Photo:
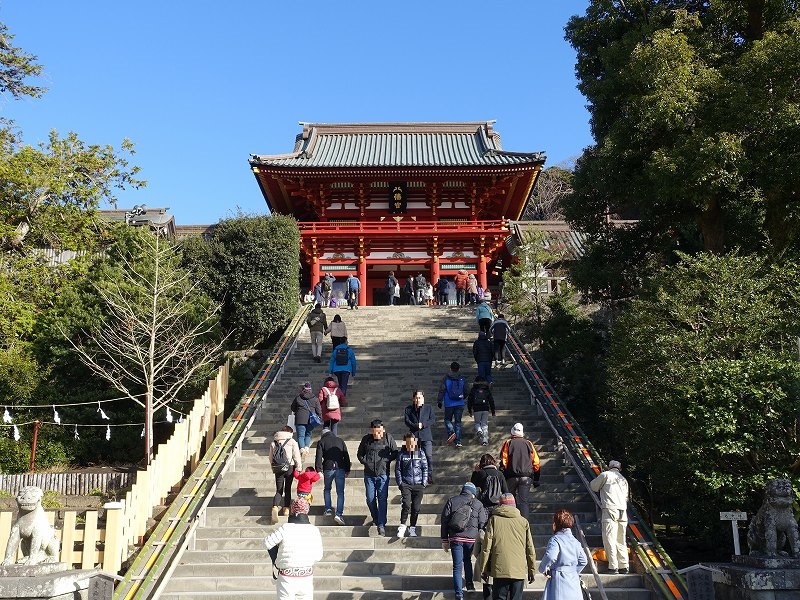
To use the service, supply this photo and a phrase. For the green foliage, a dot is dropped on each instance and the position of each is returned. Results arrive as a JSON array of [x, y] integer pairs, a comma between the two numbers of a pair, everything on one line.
[[704, 364], [694, 112], [251, 267], [14, 456], [51, 499], [16, 67]]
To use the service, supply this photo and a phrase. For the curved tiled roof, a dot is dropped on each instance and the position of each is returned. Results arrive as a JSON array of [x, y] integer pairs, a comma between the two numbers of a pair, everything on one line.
[[398, 145]]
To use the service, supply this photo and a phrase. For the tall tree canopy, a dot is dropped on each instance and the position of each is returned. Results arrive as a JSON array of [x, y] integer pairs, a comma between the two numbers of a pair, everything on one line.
[[16, 66], [695, 113]]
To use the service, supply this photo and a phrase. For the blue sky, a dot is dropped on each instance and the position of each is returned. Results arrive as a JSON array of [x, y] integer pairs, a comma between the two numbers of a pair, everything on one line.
[[200, 86]]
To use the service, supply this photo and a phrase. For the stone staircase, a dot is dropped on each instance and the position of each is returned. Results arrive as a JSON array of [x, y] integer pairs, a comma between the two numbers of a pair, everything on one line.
[[398, 349]]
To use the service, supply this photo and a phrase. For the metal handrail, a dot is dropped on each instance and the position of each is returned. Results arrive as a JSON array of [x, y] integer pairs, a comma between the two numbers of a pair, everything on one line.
[[163, 549], [588, 463], [590, 559]]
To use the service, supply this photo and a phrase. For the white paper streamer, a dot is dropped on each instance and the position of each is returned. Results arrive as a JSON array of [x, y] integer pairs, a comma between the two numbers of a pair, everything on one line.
[[56, 418], [77, 437], [16, 434], [7, 417], [169, 415], [142, 435], [108, 432], [103, 415]]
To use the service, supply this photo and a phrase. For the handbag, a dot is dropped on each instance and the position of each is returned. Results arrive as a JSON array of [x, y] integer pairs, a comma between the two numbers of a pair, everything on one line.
[[313, 418]]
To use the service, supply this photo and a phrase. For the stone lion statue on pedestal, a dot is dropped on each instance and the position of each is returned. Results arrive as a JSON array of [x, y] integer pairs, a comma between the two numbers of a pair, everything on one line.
[[32, 530], [774, 526]]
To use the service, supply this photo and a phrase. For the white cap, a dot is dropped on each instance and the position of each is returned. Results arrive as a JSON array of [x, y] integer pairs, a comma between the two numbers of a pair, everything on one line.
[[516, 429]]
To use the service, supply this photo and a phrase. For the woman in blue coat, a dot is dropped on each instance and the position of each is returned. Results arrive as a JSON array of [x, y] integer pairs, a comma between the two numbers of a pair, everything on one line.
[[563, 561]]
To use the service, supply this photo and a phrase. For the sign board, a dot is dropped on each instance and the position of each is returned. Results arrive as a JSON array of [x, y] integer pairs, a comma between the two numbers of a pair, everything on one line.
[[101, 588], [733, 516], [700, 583]]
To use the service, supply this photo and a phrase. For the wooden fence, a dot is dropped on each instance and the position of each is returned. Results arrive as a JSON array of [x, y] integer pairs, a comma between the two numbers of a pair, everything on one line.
[[88, 541], [68, 484]]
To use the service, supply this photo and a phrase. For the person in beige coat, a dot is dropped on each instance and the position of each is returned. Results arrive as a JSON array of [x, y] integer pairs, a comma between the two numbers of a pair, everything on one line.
[[284, 471], [507, 554]]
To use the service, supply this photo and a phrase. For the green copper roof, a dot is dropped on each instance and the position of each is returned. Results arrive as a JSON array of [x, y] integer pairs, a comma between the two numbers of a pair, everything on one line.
[[398, 145]]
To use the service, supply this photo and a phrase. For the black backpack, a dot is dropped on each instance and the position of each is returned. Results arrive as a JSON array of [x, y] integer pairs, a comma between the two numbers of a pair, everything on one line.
[[491, 495], [280, 461], [460, 517], [341, 357]]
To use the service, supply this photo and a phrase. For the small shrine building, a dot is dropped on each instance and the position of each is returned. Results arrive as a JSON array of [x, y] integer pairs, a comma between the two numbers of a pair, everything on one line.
[[371, 198]]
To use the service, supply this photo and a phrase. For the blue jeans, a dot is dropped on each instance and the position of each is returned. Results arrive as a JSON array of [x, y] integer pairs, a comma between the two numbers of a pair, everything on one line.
[[343, 376], [451, 414], [304, 434], [462, 559], [338, 476], [485, 370], [377, 495]]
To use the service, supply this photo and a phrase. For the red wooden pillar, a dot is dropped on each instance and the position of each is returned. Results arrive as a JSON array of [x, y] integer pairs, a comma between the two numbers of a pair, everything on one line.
[[482, 280], [362, 279], [314, 271], [435, 270]]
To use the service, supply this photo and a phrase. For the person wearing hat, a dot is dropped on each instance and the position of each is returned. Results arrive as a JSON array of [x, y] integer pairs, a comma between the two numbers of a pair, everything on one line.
[[613, 490], [303, 405], [520, 464], [507, 553], [284, 474], [376, 451], [294, 547], [463, 516], [333, 461]]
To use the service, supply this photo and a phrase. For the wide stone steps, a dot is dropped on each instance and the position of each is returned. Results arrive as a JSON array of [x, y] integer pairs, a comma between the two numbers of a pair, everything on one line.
[[398, 350]]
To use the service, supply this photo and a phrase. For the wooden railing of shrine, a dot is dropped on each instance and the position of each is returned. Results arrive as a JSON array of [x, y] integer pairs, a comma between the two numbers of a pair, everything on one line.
[[107, 538], [405, 226]]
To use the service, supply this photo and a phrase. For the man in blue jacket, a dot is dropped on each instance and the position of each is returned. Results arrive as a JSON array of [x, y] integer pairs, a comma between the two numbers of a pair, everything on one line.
[[343, 364], [420, 418], [451, 396], [411, 476], [353, 286]]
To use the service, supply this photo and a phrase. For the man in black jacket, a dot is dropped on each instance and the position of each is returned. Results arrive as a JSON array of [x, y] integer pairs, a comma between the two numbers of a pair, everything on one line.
[[483, 352], [376, 452], [333, 461], [420, 418], [459, 534], [479, 403]]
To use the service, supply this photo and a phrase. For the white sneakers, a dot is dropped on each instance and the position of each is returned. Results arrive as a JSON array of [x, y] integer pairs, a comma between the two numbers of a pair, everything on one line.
[[402, 529]]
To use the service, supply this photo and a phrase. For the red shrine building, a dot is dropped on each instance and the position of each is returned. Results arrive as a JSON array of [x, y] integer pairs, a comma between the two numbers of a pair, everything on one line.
[[371, 198]]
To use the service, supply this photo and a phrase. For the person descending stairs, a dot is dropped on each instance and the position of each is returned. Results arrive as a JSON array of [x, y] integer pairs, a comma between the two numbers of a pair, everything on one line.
[[399, 352]]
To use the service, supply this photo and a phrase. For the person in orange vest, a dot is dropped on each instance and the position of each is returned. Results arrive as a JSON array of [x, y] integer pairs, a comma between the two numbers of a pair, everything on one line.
[[520, 464]]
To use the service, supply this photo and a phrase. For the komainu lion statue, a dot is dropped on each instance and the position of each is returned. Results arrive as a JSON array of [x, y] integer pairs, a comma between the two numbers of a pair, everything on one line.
[[774, 526], [32, 530]]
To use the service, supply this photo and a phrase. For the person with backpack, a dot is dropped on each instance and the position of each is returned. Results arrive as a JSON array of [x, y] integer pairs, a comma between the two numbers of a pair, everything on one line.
[[490, 481], [421, 285], [307, 415], [284, 458], [499, 332], [391, 284], [343, 364], [507, 553], [338, 331], [479, 402], [376, 451], [451, 396], [411, 476], [463, 516], [520, 463], [331, 399], [353, 287], [420, 419], [483, 314], [483, 353], [333, 461], [294, 548], [317, 326]]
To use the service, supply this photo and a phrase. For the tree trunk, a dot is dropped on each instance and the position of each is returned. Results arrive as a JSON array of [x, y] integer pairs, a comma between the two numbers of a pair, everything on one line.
[[712, 227], [755, 20]]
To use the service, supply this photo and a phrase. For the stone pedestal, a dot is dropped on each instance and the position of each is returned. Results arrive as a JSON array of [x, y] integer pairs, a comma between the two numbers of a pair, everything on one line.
[[755, 578], [53, 581]]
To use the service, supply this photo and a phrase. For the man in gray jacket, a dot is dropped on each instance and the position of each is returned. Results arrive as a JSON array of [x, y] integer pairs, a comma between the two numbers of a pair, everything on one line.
[[317, 325]]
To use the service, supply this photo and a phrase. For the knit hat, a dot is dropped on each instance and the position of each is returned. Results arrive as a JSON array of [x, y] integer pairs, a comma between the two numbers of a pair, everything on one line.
[[614, 464], [299, 506], [516, 429], [307, 385], [470, 487], [508, 500]]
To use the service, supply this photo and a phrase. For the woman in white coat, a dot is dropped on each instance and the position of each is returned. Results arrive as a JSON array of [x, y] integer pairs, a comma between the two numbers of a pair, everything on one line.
[[563, 561]]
